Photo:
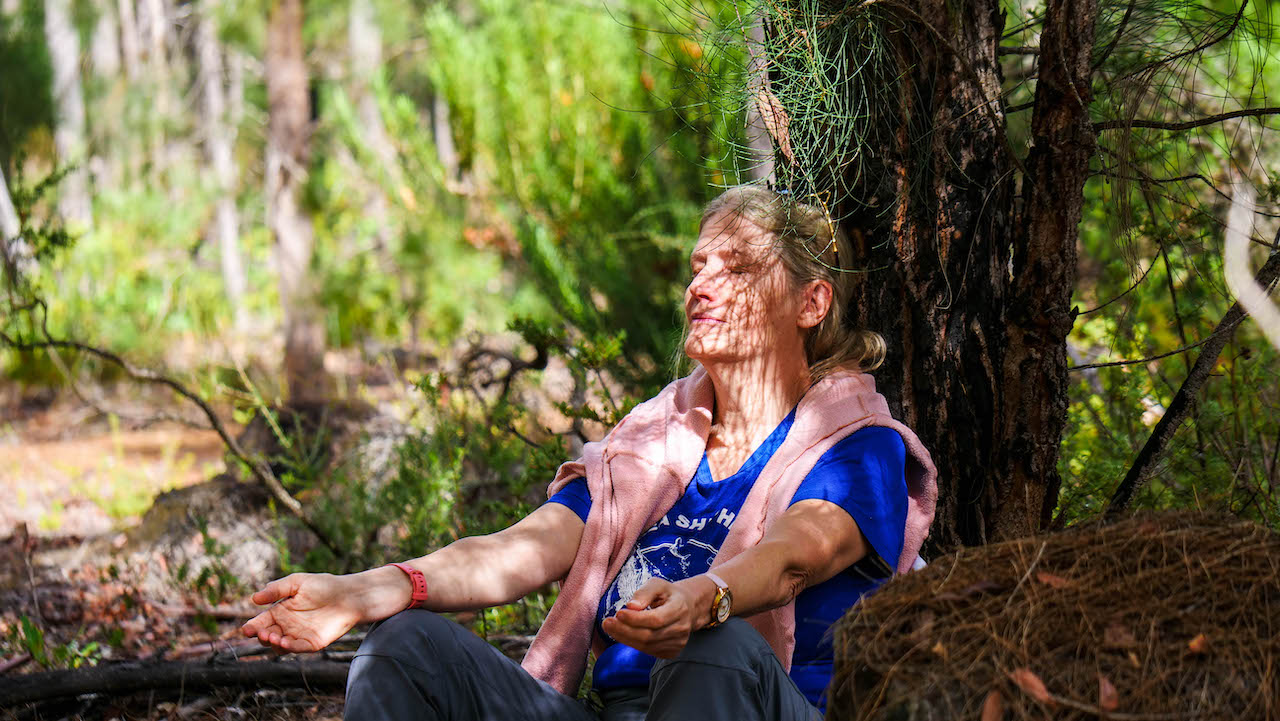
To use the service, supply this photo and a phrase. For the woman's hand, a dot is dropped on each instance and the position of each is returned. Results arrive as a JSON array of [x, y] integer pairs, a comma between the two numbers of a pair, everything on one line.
[[310, 611], [660, 617]]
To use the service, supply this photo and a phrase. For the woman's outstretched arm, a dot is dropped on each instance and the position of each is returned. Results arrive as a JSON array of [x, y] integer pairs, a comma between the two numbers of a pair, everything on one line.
[[311, 610]]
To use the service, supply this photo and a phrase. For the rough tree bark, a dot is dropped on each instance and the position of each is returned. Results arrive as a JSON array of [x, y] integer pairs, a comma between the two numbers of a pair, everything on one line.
[[288, 145], [218, 138], [969, 282], [68, 134]]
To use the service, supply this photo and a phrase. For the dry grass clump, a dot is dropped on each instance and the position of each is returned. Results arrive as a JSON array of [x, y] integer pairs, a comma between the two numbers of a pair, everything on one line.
[[1170, 616]]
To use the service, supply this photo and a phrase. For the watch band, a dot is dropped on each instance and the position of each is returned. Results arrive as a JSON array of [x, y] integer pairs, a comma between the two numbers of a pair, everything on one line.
[[419, 583]]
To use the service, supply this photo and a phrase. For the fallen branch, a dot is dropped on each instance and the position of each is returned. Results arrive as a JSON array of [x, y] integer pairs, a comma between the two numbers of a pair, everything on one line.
[[234, 650], [218, 613], [16, 662], [125, 678]]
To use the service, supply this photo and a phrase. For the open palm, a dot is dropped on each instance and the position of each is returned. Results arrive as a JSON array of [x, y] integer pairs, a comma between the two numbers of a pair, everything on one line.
[[310, 611]]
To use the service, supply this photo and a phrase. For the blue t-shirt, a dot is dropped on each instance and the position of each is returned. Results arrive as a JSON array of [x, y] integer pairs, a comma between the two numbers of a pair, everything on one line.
[[863, 474]]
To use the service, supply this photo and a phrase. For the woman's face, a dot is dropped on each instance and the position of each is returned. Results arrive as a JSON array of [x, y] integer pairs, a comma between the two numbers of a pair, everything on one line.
[[740, 303]]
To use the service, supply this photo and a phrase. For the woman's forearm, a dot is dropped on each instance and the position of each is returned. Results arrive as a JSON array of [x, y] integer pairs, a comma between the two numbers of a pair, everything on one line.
[[481, 571], [811, 543]]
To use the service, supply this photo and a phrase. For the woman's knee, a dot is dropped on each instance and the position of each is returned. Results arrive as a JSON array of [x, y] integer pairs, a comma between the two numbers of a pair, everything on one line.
[[416, 636], [734, 639], [734, 645]]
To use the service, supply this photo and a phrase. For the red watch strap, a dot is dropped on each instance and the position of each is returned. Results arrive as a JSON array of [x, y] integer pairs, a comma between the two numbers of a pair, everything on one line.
[[419, 582]]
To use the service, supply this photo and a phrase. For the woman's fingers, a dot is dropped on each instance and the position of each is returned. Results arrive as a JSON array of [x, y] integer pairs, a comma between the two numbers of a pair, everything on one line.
[[659, 617], [656, 621], [258, 623], [277, 589], [652, 594]]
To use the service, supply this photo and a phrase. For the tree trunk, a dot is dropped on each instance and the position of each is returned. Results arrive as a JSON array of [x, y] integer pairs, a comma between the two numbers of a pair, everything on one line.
[[105, 46], [15, 254], [68, 135], [971, 296], [365, 41], [288, 141], [1034, 393], [761, 156], [190, 676], [128, 39], [218, 139]]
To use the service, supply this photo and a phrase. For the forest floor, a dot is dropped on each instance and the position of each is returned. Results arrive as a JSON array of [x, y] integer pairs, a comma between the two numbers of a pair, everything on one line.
[[72, 480]]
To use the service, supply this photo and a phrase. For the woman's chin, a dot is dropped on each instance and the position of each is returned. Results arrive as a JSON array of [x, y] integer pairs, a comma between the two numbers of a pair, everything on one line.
[[709, 356]]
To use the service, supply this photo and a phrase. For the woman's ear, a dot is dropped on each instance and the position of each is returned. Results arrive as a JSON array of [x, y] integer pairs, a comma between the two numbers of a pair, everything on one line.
[[817, 302]]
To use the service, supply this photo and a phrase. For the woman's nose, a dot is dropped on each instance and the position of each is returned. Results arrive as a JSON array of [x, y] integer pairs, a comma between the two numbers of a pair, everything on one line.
[[702, 286]]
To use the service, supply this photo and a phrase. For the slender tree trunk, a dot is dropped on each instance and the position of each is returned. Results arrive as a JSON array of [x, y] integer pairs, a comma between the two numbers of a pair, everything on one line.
[[218, 139], [288, 141], [128, 39], [69, 131], [235, 61], [762, 150], [972, 294], [105, 47], [456, 180], [364, 39], [15, 254], [155, 26]]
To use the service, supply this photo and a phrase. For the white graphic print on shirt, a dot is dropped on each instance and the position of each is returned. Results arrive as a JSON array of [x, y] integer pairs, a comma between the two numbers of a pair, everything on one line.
[[670, 550]]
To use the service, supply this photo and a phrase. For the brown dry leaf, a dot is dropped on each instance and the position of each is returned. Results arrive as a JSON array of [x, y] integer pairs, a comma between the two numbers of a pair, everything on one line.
[[1051, 580], [993, 707], [1118, 636], [1108, 697], [776, 121], [1199, 644], [1030, 683], [1133, 659]]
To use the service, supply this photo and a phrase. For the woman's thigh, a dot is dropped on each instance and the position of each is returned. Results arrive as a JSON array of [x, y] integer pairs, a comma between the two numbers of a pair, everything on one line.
[[419, 665], [726, 673]]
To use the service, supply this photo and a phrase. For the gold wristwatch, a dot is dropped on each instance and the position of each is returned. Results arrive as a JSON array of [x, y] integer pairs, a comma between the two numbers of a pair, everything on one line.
[[722, 603]]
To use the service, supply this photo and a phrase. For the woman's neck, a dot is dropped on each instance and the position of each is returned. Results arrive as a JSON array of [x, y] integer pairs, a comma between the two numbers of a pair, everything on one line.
[[753, 396]]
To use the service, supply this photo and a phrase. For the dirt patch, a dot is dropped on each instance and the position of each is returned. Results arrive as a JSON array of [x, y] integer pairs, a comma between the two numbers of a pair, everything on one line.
[[64, 469]]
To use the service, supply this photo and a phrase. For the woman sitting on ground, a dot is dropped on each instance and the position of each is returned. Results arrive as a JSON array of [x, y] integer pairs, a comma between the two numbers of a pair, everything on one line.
[[706, 545]]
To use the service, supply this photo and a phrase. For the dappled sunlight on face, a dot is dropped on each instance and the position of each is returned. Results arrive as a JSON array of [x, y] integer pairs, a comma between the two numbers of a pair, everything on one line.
[[740, 304]]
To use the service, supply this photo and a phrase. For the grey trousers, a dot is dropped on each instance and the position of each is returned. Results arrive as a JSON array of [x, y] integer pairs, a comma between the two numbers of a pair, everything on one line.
[[419, 665]]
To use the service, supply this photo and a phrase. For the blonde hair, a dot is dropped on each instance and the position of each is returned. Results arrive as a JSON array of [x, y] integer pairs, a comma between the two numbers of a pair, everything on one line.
[[810, 246]]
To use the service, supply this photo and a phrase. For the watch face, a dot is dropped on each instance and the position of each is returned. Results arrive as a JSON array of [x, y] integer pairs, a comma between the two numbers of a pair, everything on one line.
[[723, 607]]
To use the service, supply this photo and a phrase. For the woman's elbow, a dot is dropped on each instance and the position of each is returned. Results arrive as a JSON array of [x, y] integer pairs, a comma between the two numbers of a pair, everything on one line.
[[795, 579]]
